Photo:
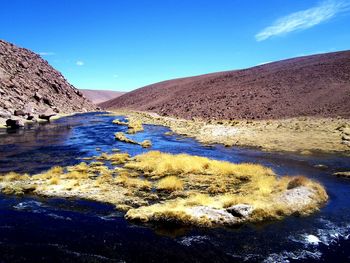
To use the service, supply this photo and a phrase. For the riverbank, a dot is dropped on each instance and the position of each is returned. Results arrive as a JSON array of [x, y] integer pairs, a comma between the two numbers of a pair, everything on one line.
[[300, 135], [37, 120]]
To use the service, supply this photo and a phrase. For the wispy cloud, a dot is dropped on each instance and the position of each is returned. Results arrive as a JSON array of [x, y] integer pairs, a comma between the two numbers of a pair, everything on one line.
[[115, 76], [47, 53], [304, 19], [80, 63]]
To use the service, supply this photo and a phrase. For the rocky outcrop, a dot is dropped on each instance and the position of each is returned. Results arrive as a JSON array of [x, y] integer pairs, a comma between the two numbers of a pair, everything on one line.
[[29, 86]]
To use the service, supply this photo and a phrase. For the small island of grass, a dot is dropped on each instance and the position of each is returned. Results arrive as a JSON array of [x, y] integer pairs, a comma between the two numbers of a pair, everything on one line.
[[182, 188]]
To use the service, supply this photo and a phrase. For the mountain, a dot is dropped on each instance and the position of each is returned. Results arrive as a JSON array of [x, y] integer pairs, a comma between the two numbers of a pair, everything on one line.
[[99, 96], [30, 86], [316, 85]]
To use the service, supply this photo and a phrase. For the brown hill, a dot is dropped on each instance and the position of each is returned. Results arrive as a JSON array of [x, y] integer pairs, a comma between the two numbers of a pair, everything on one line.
[[317, 85], [99, 96], [29, 84]]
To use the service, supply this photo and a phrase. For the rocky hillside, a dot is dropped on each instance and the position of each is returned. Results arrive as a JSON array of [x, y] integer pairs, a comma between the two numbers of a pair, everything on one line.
[[317, 85], [99, 96], [29, 87]]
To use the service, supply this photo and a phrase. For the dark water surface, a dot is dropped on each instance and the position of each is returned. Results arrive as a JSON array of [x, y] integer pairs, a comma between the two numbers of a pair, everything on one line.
[[33, 229]]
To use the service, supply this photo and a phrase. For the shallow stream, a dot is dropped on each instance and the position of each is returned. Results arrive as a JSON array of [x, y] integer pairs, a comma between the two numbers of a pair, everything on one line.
[[34, 229]]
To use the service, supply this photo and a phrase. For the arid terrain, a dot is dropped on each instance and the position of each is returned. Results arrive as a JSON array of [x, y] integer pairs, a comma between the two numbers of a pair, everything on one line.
[[30, 87], [317, 86], [99, 96]]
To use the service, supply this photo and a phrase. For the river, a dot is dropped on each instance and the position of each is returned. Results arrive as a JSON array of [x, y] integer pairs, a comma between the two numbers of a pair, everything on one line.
[[34, 229]]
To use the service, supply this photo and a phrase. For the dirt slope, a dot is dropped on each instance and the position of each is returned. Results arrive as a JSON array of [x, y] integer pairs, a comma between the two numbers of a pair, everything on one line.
[[317, 85], [99, 96], [28, 83]]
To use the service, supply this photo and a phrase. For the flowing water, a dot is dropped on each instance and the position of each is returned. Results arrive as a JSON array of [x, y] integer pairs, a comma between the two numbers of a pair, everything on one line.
[[34, 229]]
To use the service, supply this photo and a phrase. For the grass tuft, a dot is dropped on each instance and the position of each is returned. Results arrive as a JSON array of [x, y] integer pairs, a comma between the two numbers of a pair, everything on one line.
[[170, 183], [146, 144]]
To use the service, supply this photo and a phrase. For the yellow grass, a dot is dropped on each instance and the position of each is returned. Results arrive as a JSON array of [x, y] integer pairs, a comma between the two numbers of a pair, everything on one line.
[[54, 180], [183, 183], [162, 164], [120, 136], [133, 182], [134, 126], [146, 144], [10, 177], [170, 183], [116, 158], [118, 122]]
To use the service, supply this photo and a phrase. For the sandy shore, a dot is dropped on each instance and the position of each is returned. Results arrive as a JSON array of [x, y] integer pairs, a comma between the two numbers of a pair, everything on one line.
[[303, 135]]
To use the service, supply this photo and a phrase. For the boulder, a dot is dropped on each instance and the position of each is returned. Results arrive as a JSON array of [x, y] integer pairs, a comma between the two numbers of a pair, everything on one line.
[[23, 64], [47, 101], [240, 210], [37, 96], [216, 216], [47, 114], [55, 109], [19, 113], [14, 124]]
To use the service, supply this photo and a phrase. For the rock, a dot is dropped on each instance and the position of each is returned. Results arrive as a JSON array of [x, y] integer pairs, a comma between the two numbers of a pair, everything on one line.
[[342, 174], [37, 96], [346, 131], [28, 109], [7, 105], [19, 113], [55, 109], [347, 143], [216, 216], [5, 114], [296, 198], [47, 114], [14, 124], [47, 101], [23, 64], [345, 138], [240, 210]]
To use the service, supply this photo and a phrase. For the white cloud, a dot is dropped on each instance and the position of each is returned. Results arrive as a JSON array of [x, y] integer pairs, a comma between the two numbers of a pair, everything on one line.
[[47, 53], [80, 63], [115, 76], [304, 19]]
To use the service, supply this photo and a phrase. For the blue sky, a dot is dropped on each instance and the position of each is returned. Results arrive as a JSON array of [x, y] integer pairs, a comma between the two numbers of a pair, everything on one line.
[[123, 45]]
